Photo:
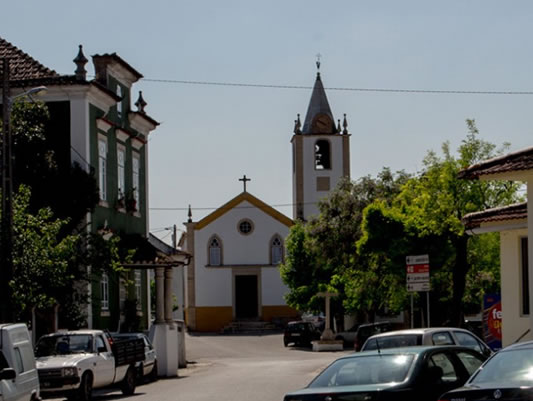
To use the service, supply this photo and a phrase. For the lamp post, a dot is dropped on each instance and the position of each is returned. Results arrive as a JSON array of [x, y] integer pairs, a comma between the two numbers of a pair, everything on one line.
[[6, 251]]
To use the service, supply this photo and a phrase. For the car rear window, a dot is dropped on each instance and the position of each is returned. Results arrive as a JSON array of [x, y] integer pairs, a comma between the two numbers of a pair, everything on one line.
[[402, 340], [513, 367], [364, 370], [296, 327]]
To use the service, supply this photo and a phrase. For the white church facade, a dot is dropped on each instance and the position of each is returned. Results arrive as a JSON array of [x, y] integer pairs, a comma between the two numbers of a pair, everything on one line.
[[236, 250]]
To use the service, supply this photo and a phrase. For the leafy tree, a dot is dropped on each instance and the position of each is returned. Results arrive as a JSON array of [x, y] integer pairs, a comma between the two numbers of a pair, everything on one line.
[[430, 208], [41, 164], [322, 251]]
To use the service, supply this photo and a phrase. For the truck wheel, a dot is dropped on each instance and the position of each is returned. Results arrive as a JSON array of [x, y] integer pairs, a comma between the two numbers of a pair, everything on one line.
[[128, 383], [85, 390]]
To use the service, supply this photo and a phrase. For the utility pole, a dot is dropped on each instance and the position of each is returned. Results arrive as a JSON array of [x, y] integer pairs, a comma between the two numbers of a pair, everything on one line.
[[6, 267]]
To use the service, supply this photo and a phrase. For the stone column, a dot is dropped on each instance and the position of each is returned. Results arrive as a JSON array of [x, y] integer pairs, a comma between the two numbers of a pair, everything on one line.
[[160, 295], [168, 295]]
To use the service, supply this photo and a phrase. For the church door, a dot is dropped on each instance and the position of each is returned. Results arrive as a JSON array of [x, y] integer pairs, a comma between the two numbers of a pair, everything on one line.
[[246, 297]]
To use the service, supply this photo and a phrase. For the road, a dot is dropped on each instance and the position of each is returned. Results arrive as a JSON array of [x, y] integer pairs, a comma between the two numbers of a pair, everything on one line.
[[235, 368]]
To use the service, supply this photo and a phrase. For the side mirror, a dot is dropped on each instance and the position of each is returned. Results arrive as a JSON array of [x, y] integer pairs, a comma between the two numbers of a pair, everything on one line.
[[102, 349], [7, 374]]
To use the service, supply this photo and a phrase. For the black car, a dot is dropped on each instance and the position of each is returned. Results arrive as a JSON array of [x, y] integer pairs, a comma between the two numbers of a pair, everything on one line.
[[400, 374], [300, 333], [507, 375]]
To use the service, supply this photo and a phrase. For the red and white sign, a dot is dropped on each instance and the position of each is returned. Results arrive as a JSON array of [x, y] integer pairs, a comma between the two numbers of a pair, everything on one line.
[[417, 273]]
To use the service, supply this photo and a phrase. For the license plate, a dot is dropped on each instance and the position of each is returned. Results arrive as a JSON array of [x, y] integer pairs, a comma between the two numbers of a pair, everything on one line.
[[46, 384], [295, 334]]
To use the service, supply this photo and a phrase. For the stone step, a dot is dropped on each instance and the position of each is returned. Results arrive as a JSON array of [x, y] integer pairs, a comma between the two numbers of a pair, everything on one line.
[[248, 327]]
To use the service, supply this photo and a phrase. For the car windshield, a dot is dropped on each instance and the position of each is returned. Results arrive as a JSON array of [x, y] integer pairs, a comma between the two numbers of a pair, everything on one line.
[[64, 345], [296, 327], [404, 340], [513, 367], [363, 370]]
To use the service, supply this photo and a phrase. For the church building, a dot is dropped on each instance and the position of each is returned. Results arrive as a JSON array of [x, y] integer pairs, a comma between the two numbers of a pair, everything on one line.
[[234, 272]]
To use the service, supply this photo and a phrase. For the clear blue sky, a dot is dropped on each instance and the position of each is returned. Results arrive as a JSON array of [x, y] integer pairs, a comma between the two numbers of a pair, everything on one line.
[[211, 135]]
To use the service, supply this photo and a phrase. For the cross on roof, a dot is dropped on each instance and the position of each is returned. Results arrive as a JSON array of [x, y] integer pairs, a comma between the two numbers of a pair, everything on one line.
[[244, 179]]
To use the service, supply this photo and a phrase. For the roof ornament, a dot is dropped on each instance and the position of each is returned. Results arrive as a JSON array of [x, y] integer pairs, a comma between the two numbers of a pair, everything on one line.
[[140, 103], [189, 215], [297, 125], [338, 126], [345, 125], [80, 61], [318, 56]]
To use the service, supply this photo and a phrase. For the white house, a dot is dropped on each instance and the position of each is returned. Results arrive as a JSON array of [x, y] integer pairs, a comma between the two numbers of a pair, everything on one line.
[[515, 250]]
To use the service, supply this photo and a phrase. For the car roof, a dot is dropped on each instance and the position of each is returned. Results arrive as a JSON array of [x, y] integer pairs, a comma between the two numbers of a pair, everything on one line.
[[417, 349], [416, 331], [522, 345]]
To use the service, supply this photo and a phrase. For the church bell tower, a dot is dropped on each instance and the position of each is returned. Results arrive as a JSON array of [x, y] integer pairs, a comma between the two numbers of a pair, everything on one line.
[[320, 153]]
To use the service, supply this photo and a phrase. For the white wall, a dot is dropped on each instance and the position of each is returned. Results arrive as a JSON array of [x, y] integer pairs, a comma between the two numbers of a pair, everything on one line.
[[513, 323], [214, 286], [311, 195]]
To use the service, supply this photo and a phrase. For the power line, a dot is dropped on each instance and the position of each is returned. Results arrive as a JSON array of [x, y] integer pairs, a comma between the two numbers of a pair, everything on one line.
[[215, 208], [386, 90], [346, 89]]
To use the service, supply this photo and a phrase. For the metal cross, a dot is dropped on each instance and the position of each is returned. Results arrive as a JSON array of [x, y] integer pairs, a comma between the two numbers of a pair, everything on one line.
[[318, 56], [244, 179]]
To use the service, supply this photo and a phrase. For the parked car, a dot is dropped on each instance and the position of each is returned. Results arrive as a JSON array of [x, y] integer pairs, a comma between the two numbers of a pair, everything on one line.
[[507, 375], [401, 374], [19, 379], [427, 336], [146, 369], [357, 335], [300, 333]]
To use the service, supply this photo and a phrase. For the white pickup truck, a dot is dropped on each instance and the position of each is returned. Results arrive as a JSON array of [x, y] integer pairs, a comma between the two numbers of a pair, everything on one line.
[[72, 363]]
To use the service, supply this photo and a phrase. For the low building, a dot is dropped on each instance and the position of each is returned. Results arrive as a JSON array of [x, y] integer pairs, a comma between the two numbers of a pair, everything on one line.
[[515, 250]]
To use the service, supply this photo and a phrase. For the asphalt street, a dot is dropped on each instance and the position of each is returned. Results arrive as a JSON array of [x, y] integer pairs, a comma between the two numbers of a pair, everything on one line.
[[235, 368]]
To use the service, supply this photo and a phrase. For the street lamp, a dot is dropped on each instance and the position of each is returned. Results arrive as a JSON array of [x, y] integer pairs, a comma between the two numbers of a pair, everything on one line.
[[6, 267]]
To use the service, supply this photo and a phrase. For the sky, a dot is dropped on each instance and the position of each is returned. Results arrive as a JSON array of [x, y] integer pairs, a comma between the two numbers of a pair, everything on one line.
[[211, 135]]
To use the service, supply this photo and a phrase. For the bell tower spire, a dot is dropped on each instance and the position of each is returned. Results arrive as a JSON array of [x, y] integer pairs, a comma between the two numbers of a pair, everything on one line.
[[321, 152]]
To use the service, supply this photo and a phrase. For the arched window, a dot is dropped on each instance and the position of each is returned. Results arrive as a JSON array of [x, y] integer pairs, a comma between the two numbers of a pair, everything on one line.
[[276, 250], [322, 155], [215, 252]]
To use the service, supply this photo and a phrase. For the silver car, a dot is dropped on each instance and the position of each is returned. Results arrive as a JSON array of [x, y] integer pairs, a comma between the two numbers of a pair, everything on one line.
[[427, 336]]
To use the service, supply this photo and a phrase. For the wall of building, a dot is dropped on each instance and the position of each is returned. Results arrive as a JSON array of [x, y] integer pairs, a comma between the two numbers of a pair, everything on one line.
[[241, 254], [310, 174], [514, 324]]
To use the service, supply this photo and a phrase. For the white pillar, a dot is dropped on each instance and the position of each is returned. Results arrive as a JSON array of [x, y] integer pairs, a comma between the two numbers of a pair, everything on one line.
[[530, 250], [168, 295], [160, 295]]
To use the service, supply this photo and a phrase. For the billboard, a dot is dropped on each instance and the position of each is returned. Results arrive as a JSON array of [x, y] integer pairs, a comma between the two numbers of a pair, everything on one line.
[[492, 320]]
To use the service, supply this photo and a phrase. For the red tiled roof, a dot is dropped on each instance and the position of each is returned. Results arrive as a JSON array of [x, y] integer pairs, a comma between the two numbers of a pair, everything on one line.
[[517, 211], [517, 161], [22, 66]]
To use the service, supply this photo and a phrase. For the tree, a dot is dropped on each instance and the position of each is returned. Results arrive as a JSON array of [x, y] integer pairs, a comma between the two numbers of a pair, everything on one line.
[[44, 165], [322, 251], [430, 208]]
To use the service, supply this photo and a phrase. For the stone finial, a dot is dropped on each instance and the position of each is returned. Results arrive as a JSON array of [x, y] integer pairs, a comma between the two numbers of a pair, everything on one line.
[[140, 103], [297, 125], [345, 125], [80, 61], [189, 215], [338, 126]]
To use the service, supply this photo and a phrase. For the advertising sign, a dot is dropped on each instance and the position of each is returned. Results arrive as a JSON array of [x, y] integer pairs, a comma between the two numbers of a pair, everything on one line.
[[492, 320]]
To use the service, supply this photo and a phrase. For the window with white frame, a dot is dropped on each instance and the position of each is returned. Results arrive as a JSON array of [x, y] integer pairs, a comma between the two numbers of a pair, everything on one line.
[[104, 291], [121, 178], [276, 251], [119, 103], [102, 167], [215, 252], [138, 293], [136, 166]]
